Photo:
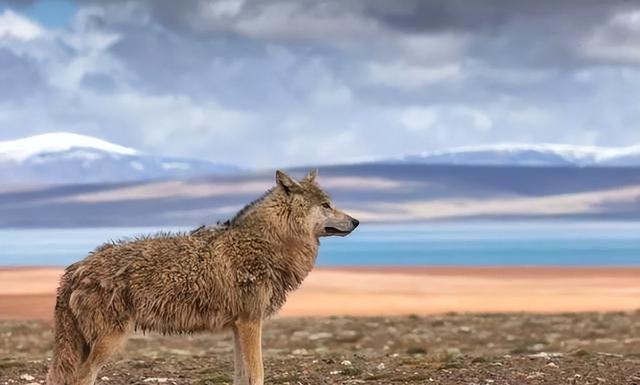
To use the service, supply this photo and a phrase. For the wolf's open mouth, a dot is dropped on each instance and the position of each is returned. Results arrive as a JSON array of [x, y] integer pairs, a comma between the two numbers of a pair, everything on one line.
[[333, 230]]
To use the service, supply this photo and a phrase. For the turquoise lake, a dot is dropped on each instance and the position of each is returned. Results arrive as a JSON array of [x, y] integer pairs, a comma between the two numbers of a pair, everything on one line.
[[468, 244]]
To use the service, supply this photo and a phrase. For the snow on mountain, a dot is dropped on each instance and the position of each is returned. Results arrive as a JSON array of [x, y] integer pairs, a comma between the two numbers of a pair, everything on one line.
[[509, 154], [22, 149], [73, 158]]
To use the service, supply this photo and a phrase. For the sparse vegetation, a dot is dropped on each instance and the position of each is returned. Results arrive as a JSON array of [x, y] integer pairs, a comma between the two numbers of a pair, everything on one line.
[[581, 349]]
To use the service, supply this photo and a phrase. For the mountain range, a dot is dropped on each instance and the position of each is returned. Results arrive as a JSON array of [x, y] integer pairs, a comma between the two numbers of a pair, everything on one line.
[[67, 158], [69, 180], [518, 154]]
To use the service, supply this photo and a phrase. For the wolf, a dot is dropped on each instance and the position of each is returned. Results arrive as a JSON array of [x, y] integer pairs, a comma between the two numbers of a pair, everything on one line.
[[226, 277]]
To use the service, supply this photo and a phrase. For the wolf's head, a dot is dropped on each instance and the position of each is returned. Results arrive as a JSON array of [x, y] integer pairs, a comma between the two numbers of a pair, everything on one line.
[[311, 208]]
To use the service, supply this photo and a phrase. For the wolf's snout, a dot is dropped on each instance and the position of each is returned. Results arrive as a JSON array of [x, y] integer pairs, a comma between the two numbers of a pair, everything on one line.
[[341, 227]]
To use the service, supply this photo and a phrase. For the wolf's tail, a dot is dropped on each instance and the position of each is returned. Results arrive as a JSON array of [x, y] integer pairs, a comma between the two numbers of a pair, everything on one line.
[[70, 346]]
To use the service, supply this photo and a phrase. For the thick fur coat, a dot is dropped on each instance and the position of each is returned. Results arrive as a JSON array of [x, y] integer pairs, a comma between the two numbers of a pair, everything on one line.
[[229, 276]]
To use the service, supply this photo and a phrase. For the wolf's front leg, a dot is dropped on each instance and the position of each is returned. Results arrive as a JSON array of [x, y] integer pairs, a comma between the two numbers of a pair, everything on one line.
[[239, 373], [248, 333]]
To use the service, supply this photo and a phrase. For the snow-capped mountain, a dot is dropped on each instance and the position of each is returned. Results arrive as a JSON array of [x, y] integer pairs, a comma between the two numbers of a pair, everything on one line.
[[73, 158], [516, 154]]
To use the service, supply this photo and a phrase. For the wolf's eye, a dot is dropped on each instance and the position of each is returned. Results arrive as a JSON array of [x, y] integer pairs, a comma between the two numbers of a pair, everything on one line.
[[326, 205]]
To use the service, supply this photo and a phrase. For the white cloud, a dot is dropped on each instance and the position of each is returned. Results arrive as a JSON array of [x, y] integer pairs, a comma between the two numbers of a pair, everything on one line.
[[288, 21], [418, 119], [222, 8], [324, 147], [527, 116], [627, 20], [322, 86], [434, 48], [409, 76], [617, 40], [172, 118], [90, 57], [332, 94], [437, 126], [13, 25]]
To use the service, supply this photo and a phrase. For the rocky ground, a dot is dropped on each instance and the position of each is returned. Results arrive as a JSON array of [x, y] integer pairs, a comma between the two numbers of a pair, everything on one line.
[[594, 348]]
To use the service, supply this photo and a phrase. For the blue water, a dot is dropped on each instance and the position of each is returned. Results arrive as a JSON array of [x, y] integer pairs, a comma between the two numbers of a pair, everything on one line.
[[536, 243]]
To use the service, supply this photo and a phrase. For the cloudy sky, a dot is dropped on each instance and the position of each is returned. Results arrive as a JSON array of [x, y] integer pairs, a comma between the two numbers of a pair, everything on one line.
[[265, 83]]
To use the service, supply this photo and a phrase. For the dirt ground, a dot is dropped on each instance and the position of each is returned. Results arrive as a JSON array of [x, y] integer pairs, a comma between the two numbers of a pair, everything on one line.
[[584, 348]]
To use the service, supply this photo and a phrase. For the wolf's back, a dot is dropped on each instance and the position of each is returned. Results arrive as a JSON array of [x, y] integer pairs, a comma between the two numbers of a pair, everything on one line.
[[70, 346]]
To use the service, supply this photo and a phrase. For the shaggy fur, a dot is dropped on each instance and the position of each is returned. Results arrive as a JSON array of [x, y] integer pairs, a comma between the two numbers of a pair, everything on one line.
[[232, 275]]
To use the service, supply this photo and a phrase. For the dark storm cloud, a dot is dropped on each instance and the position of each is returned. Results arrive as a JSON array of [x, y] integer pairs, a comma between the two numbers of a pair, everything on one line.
[[490, 16], [535, 33]]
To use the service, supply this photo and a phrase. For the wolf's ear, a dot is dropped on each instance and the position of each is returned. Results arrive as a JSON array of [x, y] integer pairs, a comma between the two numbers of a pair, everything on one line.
[[287, 183], [311, 176]]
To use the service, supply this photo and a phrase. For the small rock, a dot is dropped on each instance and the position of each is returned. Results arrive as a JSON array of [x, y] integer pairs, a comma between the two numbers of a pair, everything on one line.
[[320, 336], [300, 352], [348, 336], [299, 334], [537, 347], [104, 378], [372, 325], [605, 341], [274, 352], [535, 375], [552, 337], [179, 352], [346, 363], [465, 329], [27, 377], [552, 365], [545, 355], [454, 352], [381, 366], [160, 380]]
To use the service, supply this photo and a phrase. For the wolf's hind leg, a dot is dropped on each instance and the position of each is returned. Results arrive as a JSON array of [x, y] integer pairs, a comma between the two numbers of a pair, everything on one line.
[[100, 353]]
